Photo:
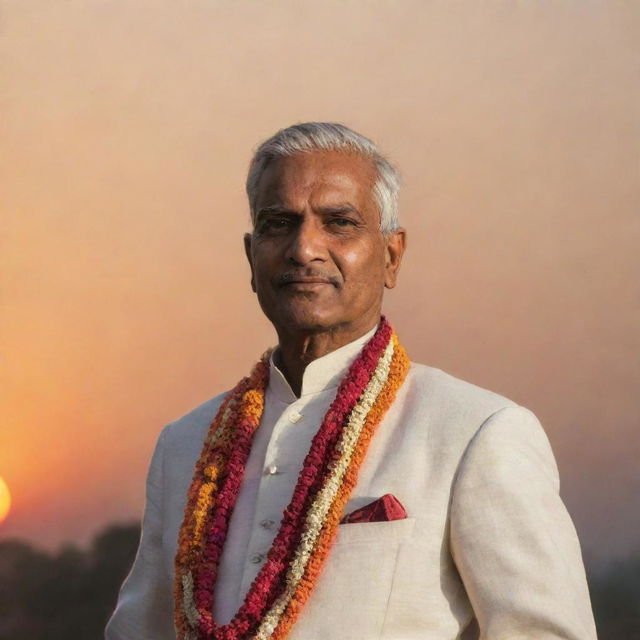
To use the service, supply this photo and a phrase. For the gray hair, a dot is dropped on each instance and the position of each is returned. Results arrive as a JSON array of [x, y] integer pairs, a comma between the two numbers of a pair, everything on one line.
[[329, 136]]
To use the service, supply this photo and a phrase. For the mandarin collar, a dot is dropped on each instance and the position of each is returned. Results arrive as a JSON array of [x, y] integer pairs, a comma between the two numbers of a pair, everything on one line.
[[321, 374]]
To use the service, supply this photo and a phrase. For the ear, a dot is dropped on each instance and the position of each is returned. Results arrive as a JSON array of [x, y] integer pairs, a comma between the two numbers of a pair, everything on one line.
[[396, 243], [247, 249]]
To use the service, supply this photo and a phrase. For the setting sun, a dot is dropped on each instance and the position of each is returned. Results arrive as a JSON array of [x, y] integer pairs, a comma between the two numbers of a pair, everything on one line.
[[5, 500]]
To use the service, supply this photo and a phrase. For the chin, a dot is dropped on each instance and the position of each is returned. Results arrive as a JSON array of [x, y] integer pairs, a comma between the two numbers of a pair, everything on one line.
[[305, 320]]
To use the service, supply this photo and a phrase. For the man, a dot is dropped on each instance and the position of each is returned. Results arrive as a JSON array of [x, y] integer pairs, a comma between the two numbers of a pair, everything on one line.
[[338, 491]]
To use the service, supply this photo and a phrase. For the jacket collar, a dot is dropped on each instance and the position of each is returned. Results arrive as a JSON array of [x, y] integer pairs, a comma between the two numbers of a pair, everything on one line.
[[320, 375]]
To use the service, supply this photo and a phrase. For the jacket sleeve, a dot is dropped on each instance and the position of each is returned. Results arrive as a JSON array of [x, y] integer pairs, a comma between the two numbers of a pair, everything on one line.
[[512, 539], [145, 608]]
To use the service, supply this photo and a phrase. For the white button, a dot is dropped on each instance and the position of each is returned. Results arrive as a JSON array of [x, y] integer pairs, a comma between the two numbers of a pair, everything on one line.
[[272, 470], [267, 524], [257, 558], [295, 416]]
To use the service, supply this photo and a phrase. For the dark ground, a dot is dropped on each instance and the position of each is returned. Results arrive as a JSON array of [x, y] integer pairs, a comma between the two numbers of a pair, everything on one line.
[[69, 595]]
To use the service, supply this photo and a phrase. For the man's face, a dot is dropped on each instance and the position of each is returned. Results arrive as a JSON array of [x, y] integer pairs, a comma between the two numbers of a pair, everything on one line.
[[318, 258]]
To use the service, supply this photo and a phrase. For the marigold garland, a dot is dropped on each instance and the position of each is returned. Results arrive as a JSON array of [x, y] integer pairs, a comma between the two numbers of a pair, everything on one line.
[[310, 521]]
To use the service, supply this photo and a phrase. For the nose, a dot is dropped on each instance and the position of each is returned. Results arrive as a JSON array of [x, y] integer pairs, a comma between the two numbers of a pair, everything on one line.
[[307, 244]]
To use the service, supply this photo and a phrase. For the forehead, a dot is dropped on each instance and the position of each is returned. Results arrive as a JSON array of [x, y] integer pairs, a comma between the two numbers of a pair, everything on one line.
[[318, 177]]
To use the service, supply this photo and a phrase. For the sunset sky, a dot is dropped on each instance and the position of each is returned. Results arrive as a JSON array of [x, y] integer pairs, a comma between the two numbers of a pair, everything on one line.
[[126, 132]]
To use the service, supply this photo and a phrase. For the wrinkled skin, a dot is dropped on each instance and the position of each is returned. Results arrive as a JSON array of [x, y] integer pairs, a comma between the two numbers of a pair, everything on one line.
[[319, 262]]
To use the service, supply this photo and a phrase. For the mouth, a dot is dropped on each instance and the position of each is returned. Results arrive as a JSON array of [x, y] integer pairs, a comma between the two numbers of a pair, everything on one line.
[[300, 281]]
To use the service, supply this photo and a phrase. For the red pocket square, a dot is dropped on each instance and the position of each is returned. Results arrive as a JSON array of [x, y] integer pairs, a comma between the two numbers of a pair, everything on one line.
[[381, 510]]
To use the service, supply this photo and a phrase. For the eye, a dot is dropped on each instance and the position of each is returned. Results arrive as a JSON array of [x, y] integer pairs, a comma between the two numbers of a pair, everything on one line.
[[278, 223], [341, 221], [274, 225]]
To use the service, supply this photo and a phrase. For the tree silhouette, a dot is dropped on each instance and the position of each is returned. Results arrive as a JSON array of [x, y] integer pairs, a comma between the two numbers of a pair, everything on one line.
[[615, 595], [64, 596], [70, 595]]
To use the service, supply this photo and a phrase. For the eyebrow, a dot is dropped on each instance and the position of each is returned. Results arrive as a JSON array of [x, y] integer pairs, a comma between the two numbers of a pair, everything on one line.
[[328, 210], [274, 208], [339, 208]]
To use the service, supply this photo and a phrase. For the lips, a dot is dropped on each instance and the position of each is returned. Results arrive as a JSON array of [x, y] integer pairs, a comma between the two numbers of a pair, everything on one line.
[[307, 281], [297, 279]]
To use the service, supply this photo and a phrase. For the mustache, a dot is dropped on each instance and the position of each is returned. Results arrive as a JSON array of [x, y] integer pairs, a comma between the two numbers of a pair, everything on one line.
[[307, 275]]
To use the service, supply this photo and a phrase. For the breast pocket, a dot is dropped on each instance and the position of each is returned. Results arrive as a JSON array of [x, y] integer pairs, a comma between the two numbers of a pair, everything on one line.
[[392, 531], [350, 599]]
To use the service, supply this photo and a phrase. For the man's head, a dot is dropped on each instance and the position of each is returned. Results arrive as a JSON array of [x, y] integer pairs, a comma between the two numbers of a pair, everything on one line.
[[329, 136], [326, 239]]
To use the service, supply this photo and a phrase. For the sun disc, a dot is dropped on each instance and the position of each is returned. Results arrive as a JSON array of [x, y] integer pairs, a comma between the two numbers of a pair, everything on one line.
[[5, 500]]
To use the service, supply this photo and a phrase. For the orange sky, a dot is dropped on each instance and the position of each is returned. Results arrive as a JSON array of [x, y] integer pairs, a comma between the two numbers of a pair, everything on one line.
[[126, 132]]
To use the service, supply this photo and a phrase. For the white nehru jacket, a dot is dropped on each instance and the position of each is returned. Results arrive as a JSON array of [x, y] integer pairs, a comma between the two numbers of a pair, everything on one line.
[[277, 454], [487, 551]]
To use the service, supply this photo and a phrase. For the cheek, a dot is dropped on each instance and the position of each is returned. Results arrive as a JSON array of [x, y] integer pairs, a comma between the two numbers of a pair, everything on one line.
[[363, 266], [263, 263]]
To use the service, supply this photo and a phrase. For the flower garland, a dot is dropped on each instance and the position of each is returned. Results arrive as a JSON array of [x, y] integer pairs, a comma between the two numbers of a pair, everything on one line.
[[310, 521]]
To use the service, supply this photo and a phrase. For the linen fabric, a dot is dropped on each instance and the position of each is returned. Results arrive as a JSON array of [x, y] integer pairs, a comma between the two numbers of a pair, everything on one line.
[[487, 551]]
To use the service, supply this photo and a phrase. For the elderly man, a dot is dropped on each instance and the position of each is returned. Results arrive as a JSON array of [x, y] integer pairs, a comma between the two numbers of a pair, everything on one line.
[[340, 491]]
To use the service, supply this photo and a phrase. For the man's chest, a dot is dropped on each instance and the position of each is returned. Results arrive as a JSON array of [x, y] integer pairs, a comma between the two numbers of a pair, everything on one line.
[[375, 569]]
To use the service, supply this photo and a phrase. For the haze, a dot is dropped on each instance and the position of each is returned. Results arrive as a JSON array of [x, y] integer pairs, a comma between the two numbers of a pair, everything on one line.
[[126, 132]]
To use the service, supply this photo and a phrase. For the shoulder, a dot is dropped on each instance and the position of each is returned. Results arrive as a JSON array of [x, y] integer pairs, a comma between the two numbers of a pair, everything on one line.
[[456, 412], [443, 393], [188, 431]]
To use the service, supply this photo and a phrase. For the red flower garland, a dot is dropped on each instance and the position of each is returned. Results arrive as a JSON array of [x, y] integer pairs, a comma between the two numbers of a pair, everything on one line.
[[215, 489]]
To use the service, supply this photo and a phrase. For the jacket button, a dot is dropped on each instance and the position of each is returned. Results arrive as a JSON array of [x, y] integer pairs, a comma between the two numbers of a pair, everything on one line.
[[267, 524]]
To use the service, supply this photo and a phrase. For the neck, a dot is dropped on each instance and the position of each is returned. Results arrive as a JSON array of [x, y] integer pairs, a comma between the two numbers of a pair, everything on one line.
[[296, 351]]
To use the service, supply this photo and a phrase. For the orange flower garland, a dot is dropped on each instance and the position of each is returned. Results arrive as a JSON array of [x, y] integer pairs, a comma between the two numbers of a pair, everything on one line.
[[310, 522], [399, 368]]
